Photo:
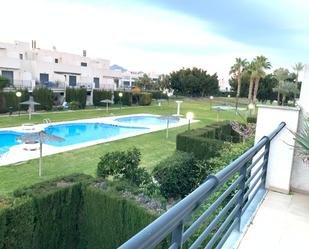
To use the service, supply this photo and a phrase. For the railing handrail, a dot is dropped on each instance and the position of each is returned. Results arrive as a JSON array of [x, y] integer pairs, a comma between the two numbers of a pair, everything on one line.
[[159, 229]]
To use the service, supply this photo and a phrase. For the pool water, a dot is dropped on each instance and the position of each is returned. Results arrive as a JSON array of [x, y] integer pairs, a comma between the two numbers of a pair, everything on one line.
[[8, 139], [75, 133], [144, 120]]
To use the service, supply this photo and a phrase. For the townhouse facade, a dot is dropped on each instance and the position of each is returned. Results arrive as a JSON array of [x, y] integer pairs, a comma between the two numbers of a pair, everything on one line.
[[28, 66]]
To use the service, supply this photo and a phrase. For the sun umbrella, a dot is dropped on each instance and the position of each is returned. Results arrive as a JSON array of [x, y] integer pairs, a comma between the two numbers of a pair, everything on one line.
[[107, 101], [40, 137], [31, 103], [168, 118]]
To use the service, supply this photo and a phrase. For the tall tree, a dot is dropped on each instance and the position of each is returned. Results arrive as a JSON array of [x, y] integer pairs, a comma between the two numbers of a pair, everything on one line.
[[251, 69], [164, 82], [298, 67], [237, 70], [262, 64]]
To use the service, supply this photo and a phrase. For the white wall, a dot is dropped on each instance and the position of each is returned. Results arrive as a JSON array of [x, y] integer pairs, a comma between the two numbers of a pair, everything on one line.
[[300, 172], [281, 153]]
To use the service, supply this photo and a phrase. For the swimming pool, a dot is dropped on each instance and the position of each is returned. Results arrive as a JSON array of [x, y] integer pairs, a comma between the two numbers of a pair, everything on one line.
[[144, 120], [75, 133], [8, 139]]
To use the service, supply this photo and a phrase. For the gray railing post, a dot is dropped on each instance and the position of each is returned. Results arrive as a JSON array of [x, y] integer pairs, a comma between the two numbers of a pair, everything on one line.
[[177, 235], [242, 186], [266, 156]]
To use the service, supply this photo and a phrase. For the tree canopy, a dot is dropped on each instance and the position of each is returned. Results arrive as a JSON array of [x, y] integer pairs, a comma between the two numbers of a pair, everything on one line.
[[194, 82]]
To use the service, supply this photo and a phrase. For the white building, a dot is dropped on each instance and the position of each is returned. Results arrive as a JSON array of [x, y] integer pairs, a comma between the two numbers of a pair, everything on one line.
[[27, 66], [128, 77]]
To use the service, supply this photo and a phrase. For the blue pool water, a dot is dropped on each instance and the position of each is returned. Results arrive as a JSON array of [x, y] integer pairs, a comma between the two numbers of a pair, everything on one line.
[[8, 139], [75, 133], [144, 120]]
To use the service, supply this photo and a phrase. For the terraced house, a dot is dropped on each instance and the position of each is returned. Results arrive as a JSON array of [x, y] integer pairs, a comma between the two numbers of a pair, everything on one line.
[[28, 66]]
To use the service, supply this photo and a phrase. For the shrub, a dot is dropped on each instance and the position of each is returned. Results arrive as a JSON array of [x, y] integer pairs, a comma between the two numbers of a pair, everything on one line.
[[145, 98], [76, 94], [74, 105], [125, 100], [44, 96], [206, 142], [123, 164], [251, 120], [179, 174], [9, 99], [4, 82], [99, 95], [158, 95]]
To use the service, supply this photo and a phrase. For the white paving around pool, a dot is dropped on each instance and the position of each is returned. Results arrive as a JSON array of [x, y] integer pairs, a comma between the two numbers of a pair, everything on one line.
[[18, 153]]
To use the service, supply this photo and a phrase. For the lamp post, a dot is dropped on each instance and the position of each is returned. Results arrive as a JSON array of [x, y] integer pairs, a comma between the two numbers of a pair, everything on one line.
[[211, 98], [120, 96], [190, 117], [18, 95], [250, 107]]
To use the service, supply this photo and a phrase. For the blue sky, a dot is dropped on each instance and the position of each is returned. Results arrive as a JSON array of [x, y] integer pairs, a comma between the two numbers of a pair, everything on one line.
[[164, 35]]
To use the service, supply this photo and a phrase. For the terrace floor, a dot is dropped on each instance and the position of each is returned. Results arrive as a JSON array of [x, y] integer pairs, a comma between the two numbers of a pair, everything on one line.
[[282, 221]]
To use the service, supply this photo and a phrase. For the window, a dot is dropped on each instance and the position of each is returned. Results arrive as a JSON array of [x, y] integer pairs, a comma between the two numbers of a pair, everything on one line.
[[56, 60], [21, 56], [9, 75], [44, 78], [72, 80], [96, 81], [83, 64]]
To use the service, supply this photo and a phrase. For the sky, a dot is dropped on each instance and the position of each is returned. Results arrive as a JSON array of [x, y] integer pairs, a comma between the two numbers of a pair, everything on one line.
[[165, 35]]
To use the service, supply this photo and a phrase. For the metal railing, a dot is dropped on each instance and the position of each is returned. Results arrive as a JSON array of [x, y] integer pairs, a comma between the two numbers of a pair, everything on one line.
[[245, 177]]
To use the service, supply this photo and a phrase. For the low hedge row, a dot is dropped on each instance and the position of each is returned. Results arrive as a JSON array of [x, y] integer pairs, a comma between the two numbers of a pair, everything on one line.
[[206, 142], [44, 96], [69, 212], [9, 99], [99, 95], [78, 95]]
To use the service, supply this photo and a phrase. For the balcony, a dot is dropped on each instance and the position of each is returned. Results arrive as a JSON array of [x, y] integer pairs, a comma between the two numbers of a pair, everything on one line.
[[9, 63]]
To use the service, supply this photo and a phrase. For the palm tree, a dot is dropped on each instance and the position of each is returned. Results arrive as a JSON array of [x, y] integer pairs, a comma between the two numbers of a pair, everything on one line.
[[262, 63], [298, 67], [284, 88], [280, 74], [251, 69], [237, 69]]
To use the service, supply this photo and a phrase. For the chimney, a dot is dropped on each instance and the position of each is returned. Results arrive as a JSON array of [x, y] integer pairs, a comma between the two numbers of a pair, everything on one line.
[[84, 53], [33, 43], [54, 48]]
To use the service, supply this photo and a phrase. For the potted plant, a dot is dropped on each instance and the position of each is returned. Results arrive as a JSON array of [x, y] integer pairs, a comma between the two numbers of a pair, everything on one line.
[[302, 141]]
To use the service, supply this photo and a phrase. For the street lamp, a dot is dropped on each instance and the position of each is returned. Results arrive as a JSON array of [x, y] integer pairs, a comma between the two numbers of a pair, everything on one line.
[[211, 98], [190, 117], [120, 96], [18, 95]]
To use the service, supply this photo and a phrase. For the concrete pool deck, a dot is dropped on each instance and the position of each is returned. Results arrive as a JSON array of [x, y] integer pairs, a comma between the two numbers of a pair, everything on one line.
[[17, 154]]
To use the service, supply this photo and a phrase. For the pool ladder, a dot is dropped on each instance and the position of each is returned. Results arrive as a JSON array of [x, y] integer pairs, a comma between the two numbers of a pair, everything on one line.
[[46, 121]]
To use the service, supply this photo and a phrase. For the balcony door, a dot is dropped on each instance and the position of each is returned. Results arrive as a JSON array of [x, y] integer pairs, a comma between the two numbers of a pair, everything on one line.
[[9, 75], [44, 78], [72, 80], [96, 82]]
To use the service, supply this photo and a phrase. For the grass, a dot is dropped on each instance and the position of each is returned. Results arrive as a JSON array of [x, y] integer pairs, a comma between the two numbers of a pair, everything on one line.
[[154, 146]]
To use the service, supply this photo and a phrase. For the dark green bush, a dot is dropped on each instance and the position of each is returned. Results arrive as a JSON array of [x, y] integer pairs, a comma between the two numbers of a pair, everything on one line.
[[179, 174], [251, 120], [123, 164], [76, 94], [44, 96], [206, 142], [145, 98], [108, 219], [158, 95], [74, 105], [99, 95], [125, 100], [9, 99]]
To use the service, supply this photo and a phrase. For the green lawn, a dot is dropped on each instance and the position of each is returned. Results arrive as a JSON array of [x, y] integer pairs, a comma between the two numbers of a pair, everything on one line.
[[154, 146]]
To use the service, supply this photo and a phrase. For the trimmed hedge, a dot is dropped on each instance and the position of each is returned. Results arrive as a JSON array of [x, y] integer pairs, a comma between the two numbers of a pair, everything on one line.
[[99, 95], [9, 99], [125, 100], [76, 94], [145, 98], [179, 174], [206, 142], [158, 95], [44, 96], [69, 212], [109, 220]]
